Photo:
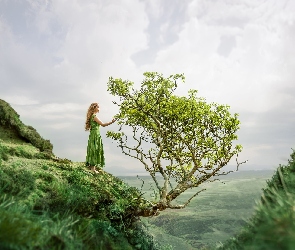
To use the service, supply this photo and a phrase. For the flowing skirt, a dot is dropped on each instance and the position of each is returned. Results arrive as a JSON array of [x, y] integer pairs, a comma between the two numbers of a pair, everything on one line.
[[95, 153]]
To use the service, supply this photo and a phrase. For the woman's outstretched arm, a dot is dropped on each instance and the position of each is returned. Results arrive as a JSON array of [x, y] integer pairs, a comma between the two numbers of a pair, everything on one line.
[[103, 124]]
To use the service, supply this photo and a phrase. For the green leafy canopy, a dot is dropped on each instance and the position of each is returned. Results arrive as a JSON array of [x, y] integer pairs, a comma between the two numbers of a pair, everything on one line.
[[181, 137]]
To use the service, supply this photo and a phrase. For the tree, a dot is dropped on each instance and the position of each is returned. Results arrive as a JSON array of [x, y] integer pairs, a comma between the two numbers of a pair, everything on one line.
[[176, 138]]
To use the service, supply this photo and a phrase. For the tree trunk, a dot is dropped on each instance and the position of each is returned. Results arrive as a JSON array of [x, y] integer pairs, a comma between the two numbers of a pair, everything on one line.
[[152, 211]]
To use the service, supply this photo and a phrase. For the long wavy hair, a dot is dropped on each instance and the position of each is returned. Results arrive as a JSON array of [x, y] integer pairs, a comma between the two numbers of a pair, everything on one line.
[[90, 112]]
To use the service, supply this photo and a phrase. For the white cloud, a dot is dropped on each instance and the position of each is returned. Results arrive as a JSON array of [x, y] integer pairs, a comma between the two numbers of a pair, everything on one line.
[[79, 45], [19, 100], [245, 79], [59, 126], [56, 57], [52, 111], [60, 107]]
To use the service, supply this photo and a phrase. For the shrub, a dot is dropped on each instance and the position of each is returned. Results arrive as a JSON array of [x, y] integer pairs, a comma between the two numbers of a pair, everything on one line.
[[43, 155]]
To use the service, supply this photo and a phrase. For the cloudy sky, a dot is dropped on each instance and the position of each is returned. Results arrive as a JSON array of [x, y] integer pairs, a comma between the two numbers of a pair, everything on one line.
[[56, 57]]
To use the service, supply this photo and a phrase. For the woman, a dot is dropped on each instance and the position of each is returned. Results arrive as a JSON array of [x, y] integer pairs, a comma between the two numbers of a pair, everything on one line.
[[95, 154]]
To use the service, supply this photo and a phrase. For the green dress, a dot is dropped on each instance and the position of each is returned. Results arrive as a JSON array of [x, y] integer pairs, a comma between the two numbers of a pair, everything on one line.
[[95, 154]]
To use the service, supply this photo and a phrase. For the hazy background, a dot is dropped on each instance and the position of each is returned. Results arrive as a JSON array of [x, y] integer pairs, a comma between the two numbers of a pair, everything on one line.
[[56, 57]]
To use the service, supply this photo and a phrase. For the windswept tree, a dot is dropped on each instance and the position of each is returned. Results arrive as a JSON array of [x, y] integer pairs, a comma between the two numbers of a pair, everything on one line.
[[178, 138]]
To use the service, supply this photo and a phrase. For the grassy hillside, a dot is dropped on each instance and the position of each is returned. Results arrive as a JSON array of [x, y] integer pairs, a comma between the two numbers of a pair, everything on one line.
[[52, 203], [273, 225]]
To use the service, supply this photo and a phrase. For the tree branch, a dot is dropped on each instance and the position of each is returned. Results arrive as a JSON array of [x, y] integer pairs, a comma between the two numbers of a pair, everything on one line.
[[185, 204]]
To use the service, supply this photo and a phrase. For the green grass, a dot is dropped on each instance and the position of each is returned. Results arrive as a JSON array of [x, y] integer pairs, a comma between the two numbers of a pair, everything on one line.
[[47, 202], [58, 204]]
